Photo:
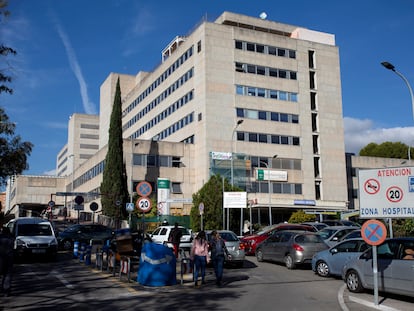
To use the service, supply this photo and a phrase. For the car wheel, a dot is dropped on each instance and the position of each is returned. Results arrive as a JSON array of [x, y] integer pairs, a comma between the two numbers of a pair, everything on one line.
[[67, 245], [259, 255], [353, 282], [289, 262], [322, 269]]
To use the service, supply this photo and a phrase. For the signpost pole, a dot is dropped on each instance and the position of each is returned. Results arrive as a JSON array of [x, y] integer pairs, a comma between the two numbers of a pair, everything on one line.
[[375, 271]]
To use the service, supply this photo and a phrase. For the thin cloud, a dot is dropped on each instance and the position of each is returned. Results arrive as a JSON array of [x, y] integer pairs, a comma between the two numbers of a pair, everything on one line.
[[88, 106], [359, 133]]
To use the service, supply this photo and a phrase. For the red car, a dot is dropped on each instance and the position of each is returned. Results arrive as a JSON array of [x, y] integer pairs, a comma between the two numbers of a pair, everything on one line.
[[251, 241]]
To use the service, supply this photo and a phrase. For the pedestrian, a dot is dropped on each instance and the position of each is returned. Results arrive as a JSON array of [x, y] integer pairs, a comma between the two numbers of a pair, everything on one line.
[[6, 260], [175, 237], [199, 256], [218, 253], [246, 227]]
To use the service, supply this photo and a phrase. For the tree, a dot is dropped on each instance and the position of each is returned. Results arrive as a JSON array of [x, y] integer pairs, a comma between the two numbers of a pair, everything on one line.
[[114, 190], [211, 195], [300, 216], [396, 150], [5, 78], [13, 152]]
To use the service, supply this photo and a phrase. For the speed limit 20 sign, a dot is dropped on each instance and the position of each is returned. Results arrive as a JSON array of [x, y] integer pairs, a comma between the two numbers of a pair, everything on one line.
[[144, 204]]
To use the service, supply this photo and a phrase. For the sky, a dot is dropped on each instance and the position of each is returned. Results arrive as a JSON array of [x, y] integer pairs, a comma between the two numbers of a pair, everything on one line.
[[67, 48]]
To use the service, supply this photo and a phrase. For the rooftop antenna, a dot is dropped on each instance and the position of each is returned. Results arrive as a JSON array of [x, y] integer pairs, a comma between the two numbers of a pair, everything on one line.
[[263, 15]]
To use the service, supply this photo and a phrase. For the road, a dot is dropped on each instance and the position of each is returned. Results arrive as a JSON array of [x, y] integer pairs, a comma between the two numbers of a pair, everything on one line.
[[69, 285]]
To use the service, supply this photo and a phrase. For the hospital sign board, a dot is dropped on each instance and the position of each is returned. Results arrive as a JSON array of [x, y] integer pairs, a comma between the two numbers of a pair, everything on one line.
[[386, 192]]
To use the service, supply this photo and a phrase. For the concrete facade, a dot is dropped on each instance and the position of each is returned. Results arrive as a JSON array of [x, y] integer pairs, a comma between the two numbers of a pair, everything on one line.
[[282, 81]]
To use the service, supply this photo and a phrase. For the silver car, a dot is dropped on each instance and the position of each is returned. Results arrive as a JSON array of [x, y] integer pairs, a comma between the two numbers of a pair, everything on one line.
[[234, 246], [331, 261], [395, 268], [290, 247], [334, 234]]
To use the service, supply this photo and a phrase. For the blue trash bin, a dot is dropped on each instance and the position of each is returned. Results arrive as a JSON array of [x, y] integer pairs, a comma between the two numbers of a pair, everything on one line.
[[157, 266]]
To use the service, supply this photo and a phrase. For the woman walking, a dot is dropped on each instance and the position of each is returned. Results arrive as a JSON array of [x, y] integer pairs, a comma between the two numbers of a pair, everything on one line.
[[218, 253], [199, 256]]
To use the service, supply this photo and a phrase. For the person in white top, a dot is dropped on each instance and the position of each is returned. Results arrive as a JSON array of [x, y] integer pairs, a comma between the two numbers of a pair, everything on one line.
[[200, 256]]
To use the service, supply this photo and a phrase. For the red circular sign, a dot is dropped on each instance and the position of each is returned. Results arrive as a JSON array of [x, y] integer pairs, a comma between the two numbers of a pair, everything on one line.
[[372, 186], [144, 204], [394, 194], [374, 232], [144, 189]]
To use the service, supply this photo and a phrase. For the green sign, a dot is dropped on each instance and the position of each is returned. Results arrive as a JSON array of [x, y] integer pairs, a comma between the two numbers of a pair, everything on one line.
[[260, 174], [163, 183]]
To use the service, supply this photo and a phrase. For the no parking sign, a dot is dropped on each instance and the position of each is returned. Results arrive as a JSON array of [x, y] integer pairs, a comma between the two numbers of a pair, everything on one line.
[[374, 232]]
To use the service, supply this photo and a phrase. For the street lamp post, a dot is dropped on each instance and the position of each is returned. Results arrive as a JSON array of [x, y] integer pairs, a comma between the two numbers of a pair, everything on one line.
[[73, 173], [391, 67], [232, 168], [268, 186]]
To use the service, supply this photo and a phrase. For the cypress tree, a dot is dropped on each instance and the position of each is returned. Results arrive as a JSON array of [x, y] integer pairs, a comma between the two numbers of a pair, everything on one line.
[[114, 190]]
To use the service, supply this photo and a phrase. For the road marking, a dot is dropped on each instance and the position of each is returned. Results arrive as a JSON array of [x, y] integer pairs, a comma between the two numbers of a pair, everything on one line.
[[371, 304], [61, 278], [341, 298]]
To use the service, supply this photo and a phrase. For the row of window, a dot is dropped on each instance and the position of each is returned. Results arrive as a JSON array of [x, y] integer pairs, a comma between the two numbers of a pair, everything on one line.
[[168, 111], [181, 60], [266, 71], [169, 130], [268, 138], [160, 98], [267, 115], [264, 49], [266, 93], [276, 187]]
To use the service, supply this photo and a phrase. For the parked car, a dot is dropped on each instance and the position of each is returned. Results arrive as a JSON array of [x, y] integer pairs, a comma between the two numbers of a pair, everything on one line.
[[291, 247], [160, 235], [317, 225], [235, 247], [333, 234], [251, 241], [395, 274], [341, 222], [352, 235], [330, 262], [83, 233], [33, 236]]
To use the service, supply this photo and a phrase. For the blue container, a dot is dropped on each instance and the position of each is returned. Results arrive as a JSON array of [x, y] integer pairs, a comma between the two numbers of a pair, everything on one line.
[[157, 266], [75, 249]]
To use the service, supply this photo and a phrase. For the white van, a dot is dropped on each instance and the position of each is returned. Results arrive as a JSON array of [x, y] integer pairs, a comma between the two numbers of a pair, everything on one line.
[[33, 236]]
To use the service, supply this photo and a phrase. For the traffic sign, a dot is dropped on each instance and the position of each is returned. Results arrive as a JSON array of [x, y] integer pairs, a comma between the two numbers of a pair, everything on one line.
[[79, 199], [51, 204], [201, 208], [144, 204], [386, 192], [93, 206], [130, 207], [144, 189], [374, 232]]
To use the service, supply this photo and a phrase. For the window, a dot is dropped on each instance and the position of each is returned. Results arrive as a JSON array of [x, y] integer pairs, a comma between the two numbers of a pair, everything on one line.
[[239, 45], [259, 48], [250, 46], [199, 46], [261, 70], [176, 187], [262, 138], [262, 115], [240, 112], [253, 137]]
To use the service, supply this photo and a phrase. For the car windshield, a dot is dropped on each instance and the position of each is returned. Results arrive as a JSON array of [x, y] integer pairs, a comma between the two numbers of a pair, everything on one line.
[[35, 229], [309, 238], [266, 229], [228, 236], [326, 233]]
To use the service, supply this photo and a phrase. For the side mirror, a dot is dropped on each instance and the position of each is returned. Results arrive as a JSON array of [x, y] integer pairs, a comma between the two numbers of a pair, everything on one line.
[[334, 251]]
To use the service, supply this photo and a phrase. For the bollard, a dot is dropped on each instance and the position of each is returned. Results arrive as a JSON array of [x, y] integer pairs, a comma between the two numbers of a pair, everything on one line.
[[82, 252], [75, 249], [88, 254]]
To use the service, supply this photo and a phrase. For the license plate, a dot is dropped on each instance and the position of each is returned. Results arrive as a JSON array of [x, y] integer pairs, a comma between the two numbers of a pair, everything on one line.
[[38, 251]]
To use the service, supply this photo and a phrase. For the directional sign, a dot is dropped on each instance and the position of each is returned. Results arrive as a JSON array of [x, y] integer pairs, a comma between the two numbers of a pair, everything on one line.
[[144, 189], [144, 204], [201, 208], [374, 232], [386, 192]]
